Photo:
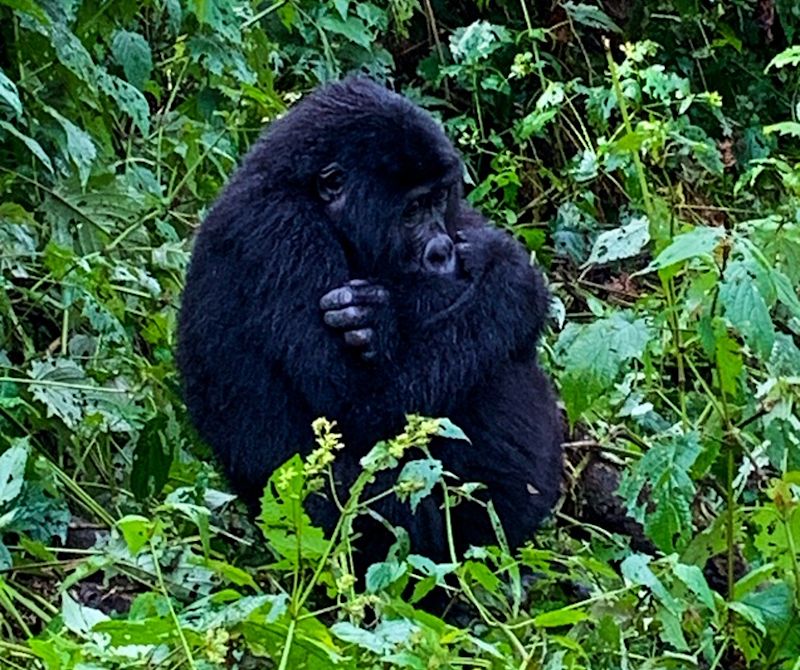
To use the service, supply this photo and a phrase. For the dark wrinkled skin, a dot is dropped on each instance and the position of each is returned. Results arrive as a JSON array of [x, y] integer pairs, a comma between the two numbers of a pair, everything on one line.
[[341, 274]]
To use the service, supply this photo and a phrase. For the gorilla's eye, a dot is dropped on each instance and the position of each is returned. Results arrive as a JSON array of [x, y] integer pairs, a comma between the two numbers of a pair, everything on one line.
[[412, 209], [330, 182]]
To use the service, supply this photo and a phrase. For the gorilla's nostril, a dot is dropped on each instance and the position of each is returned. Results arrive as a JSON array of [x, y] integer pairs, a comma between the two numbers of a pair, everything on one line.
[[439, 255]]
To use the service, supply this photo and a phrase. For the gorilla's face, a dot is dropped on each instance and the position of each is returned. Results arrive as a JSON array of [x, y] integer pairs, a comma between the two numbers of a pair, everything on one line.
[[411, 231], [427, 240]]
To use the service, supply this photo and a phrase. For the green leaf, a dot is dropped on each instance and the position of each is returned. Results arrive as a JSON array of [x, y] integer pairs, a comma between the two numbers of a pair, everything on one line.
[[773, 604], [590, 16], [12, 470], [62, 399], [790, 128], [417, 479], [353, 28], [790, 56], [33, 146], [562, 617], [384, 574], [28, 7], [220, 16], [623, 242], [659, 492], [693, 577], [132, 52], [746, 309], [136, 531], [283, 521], [593, 354], [700, 242], [9, 94], [475, 42], [449, 430], [80, 147]]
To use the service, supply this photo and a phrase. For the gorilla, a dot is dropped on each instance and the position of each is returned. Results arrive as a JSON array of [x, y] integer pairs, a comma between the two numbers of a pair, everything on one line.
[[342, 274]]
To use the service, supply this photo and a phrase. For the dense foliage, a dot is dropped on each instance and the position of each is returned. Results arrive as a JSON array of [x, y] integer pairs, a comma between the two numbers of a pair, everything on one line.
[[646, 151]]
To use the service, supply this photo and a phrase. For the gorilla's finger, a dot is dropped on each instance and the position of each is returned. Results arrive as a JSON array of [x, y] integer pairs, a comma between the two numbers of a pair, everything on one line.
[[358, 282], [347, 318], [371, 295], [359, 338], [337, 298]]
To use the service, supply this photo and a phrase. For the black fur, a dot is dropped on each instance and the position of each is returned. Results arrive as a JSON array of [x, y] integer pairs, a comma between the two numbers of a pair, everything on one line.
[[259, 365]]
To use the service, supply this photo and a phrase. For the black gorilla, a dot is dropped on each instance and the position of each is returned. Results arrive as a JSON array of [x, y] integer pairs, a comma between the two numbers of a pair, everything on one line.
[[341, 274]]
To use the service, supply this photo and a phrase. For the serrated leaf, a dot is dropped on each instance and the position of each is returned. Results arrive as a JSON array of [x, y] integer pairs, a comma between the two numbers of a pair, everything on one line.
[[220, 16], [746, 309], [790, 56], [473, 43], [28, 7], [9, 94], [60, 399], [593, 354], [694, 579], [562, 617], [666, 507], [352, 28], [384, 574], [698, 242], [132, 53], [80, 147], [12, 471], [33, 146], [590, 16], [623, 242], [420, 476], [790, 128], [449, 430]]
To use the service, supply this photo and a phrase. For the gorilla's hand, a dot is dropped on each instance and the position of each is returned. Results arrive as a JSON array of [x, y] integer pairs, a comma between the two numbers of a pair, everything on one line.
[[351, 309]]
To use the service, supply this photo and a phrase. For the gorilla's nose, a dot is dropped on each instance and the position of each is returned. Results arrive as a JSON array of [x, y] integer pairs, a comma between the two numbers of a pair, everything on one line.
[[439, 256]]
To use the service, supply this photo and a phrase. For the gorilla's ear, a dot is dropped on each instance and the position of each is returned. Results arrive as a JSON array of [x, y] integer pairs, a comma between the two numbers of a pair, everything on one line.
[[330, 183]]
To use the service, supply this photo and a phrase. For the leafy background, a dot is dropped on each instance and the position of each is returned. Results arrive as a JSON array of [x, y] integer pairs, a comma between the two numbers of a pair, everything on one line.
[[645, 151]]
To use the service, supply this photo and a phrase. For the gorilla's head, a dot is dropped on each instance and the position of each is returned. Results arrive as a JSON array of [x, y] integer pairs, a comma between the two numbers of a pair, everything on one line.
[[383, 173]]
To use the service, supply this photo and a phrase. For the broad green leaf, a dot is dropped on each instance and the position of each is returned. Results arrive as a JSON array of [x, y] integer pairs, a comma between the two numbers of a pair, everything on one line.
[[78, 618], [449, 430], [9, 94], [383, 639], [791, 128], [132, 53], [790, 56], [80, 147], [623, 242], [475, 42], [593, 355], [697, 243], [746, 309], [220, 16], [417, 479], [590, 16], [353, 28], [61, 393], [283, 521], [562, 617], [136, 530], [659, 491], [534, 123], [28, 7], [12, 470], [695, 580], [384, 574], [773, 603], [33, 146]]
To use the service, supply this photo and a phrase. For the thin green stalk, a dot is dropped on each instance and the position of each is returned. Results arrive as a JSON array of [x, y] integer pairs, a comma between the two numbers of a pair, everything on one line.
[[173, 614]]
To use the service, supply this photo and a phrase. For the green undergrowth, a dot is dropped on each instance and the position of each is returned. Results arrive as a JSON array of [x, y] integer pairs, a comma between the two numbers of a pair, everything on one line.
[[647, 154]]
